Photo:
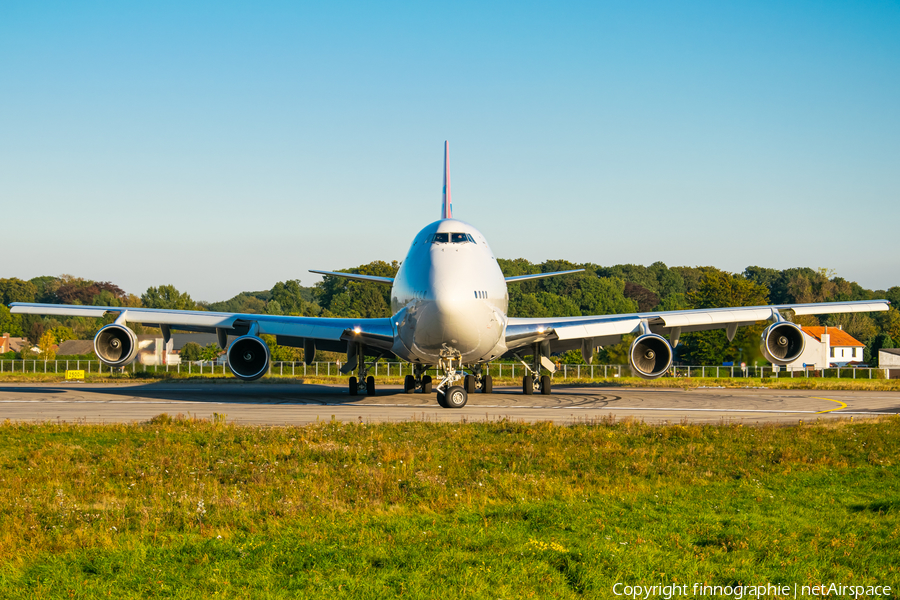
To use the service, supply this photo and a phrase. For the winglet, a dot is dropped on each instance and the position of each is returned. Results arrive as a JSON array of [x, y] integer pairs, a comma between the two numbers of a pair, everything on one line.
[[447, 209]]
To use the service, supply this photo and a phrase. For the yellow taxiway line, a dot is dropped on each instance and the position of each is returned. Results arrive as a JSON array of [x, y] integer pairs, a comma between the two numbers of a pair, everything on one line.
[[842, 405]]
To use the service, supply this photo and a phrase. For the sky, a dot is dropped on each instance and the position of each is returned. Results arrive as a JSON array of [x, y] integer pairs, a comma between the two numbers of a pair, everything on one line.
[[224, 146]]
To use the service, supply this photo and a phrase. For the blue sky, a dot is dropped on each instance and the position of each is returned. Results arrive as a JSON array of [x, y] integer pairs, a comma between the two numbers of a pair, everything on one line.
[[224, 146]]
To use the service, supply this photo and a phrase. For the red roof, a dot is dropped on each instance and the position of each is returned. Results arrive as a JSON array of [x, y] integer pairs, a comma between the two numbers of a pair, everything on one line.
[[839, 337]]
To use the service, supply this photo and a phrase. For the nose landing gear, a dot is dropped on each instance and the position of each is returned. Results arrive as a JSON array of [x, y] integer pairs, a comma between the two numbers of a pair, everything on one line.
[[448, 394]]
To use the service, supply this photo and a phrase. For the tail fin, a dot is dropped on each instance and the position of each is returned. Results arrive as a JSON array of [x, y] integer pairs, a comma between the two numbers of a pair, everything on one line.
[[447, 209]]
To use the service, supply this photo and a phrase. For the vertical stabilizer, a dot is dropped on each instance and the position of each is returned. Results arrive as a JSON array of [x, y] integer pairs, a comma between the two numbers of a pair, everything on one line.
[[447, 208]]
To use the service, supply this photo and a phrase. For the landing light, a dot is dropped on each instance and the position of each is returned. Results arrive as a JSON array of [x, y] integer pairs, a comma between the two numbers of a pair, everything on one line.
[[541, 329], [357, 330]]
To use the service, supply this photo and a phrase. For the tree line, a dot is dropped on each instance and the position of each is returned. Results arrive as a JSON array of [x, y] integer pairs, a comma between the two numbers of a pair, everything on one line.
[[598, 290]]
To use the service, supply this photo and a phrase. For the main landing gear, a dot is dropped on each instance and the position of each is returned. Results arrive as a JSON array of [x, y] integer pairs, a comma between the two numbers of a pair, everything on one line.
[[356, 358], [418, 381], [533, 381]]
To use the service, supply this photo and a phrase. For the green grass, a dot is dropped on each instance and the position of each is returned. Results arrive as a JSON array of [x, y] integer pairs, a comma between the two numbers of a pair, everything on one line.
[[192, 509]]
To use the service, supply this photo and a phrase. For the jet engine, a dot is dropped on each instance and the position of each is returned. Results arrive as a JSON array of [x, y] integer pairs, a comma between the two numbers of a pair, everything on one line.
[[248, 357], [115, 345], [782, 343], [650, 356]]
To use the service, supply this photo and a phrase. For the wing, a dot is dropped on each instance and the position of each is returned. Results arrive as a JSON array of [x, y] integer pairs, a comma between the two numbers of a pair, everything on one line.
[[540, 275], [569, 333], [330, 334], [357, 277]]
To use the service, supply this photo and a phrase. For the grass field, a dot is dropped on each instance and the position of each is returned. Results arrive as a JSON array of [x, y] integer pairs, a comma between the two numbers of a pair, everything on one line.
[[193, 509]]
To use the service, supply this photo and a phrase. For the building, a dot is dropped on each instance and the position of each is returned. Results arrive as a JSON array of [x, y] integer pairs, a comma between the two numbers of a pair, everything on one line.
[[889, 358], [75, 348], [828, 347], [12, 344]]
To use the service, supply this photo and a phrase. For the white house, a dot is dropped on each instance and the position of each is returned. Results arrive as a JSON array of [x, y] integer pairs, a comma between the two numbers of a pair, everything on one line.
[[827, 347]]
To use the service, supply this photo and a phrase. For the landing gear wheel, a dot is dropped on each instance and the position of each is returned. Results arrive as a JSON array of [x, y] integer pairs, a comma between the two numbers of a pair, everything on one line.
[[426, 384], [456, 397], [545, 385], [440, 398], [487, 385], [353, 388], [528, 385], [469, 384], [409, 384], [370, 385]]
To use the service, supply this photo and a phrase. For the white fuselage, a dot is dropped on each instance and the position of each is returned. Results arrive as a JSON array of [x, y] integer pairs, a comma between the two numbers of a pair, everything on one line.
[[449, 297]]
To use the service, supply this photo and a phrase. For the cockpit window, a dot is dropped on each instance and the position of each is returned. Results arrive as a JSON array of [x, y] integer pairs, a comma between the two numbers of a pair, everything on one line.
[[455, 238]]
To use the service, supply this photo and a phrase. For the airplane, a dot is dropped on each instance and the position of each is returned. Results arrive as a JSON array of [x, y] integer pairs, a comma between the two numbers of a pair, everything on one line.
[[449, 301]]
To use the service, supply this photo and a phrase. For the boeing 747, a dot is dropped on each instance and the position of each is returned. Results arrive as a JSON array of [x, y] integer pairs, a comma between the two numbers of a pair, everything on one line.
[[449, 301]]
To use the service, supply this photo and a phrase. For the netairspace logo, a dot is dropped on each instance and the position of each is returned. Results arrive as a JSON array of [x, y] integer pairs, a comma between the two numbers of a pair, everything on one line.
[[738, 592]]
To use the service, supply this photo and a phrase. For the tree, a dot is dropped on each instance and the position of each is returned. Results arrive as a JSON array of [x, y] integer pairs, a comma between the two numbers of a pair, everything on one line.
[[46, 344], [210, 352], [346, 298], [859, 325], [63, 334], [889, 322], [36, 331], [289, 295], [191, 352], [166, 296], [645, 299], [10, 323], [879, 342], [16, 290], [720, 289]]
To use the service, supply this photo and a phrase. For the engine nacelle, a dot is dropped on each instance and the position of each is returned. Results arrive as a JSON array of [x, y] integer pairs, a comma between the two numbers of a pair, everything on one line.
[[782, 343], [248, 357], [650, 356], [115, 345]]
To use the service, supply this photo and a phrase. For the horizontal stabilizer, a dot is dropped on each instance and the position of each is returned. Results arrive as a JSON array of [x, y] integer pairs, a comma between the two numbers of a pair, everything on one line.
[[540, 275], [357, 276]]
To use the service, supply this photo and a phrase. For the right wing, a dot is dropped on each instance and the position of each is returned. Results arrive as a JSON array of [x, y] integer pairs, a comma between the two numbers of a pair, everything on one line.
[[357, 276], [568, 333]]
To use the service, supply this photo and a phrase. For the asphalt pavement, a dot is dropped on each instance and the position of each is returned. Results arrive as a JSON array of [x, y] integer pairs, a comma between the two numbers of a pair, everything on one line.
[[296, 404]]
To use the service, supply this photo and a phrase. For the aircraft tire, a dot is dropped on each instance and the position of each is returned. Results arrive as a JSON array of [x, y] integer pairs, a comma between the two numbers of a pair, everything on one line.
[[469, 384], [440, 399], [545, 385], [456, 397], [487, 385], [528, 385], [370, 385], [352, 387], [426, 384], [409, 384]]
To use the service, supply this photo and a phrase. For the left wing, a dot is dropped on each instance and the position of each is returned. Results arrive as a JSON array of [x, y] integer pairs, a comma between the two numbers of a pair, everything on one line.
[[516, 278], [568, 333], [331, 333]]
